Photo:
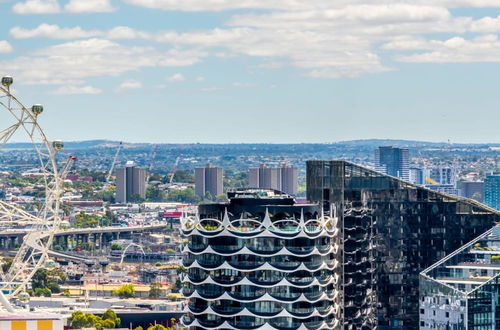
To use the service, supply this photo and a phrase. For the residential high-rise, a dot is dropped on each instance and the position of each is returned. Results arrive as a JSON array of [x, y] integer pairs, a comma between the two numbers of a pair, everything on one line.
[[261, 261], [416, 175], [278, 178], [441, 175], [393, 161], [130, 183], [391, 230], [209, 179], [492, 191], [462, 291], [472, 189]]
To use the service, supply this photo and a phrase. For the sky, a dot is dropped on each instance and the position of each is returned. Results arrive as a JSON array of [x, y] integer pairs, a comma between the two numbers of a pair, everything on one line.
[[256, 71]]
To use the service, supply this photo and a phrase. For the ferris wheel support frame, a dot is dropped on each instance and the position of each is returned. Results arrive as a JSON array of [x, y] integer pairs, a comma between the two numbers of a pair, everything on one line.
[[36, 244]]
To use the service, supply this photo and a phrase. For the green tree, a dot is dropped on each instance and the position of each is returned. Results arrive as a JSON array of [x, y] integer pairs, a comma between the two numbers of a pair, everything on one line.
[[110, 315], [136, 198], [7, 262], [48, 279], [154, 194], [182, 176], [138, 328], [84, 220], [106, 196], [157, 327], [116, 247], [155, 290], [125, 291], [183, 195], [79, 320], [45, 292]]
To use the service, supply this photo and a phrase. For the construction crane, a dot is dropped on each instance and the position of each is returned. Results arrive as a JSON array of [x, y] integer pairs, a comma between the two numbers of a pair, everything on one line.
[[152, 161], [174, 169], [67, 167], [108, 177]]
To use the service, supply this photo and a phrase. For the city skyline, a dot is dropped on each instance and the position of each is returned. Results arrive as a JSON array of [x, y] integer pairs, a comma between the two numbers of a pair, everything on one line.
[[141, 70]]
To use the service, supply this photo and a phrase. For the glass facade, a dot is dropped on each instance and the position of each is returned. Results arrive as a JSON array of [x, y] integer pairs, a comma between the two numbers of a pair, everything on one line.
[[391, 230], [261, 261], [462, 290]]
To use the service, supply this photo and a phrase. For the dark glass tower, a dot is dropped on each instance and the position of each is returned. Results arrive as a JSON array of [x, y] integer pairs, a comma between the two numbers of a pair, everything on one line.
[[393, 161], [390, 231], [261, 261]]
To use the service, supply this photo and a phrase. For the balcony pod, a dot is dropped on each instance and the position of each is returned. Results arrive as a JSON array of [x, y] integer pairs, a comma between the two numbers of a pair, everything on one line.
[[246, 292], [300, 245], [246, 262], [226, 244], [197, 305], [198, 243], [314, 262], [265, 308], [285, 293], [246, 322], [226, 276], [210, 320], [209, 291], [197, 274], [226, 307], [285, 262], [313, 292], [265, 277], [300, 277], [300, 309], [285, 323], [265, 245], [208, 260]]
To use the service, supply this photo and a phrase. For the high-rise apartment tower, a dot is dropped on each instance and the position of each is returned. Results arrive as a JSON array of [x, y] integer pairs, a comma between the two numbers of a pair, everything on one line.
[[391, 230], [130, 183], [393, 161], [278, 178], [209, 179]]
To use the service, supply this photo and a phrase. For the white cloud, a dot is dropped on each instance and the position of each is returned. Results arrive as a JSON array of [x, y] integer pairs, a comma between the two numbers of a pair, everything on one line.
[[323, 38], [89, 6], [458, 50], [177, 77], [125, 32], [129, 84], [51, 31], [53, 7], [200, 79], [486, 24], [78, 60], [74, 90], [296, 5], [5, 47], [37, 7]]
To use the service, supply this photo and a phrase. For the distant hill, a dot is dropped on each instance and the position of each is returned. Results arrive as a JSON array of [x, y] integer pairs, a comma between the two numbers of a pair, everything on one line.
[[367, 143]]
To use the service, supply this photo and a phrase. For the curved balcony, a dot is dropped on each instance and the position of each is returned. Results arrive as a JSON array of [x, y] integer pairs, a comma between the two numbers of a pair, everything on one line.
[[265, 277], [246, 292], [247, 322], [285, 323]]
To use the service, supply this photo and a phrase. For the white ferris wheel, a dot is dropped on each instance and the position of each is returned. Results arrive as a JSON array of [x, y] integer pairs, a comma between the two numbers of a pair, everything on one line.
[[19, 121]]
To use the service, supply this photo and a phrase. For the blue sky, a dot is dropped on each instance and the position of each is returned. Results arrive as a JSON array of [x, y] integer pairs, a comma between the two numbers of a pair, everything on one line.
[[228, 71]]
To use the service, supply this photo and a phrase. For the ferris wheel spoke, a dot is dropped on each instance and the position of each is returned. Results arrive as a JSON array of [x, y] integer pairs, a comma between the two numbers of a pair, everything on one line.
[[7, 133]]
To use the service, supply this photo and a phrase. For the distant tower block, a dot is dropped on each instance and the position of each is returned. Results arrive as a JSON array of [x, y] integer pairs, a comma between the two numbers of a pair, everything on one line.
[[130, 182], [278, 178], [209, 179]]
